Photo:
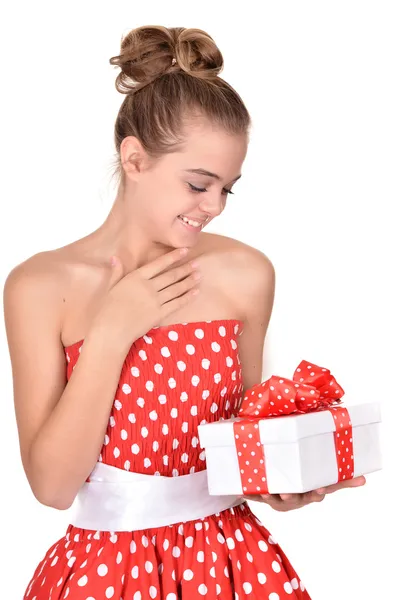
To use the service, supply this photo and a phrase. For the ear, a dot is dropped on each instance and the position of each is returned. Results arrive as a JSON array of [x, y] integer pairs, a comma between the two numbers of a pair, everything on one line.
[[133, 157]]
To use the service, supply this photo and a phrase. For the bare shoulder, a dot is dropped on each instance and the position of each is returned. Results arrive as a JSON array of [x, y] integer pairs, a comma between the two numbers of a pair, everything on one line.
[[39, 275], [246, 268]]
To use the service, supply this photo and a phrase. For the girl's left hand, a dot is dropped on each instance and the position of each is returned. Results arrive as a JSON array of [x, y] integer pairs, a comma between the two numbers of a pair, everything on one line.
[[285, 502]]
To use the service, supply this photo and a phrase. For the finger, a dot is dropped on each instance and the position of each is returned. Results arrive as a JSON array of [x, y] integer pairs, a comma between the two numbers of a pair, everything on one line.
[[177, 289], [315, 497], [161, 263], [291, 498], [355, 482], [173, 276]]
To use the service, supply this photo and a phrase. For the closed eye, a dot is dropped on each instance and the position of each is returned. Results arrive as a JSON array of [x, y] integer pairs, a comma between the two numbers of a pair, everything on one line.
[[198, 190]]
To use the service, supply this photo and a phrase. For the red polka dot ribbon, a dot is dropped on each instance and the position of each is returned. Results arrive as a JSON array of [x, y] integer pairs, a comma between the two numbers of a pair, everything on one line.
[[312, 389]]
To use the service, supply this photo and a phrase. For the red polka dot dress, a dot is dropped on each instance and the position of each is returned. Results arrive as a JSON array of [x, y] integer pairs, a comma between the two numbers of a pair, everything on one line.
[[173, 378]]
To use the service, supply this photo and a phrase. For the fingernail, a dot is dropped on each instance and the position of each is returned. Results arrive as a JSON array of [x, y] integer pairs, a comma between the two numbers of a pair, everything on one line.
[[285, 496], [321, 491]]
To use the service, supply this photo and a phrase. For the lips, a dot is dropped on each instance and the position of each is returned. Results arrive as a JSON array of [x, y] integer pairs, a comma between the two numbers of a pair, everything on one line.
[[198, 219]]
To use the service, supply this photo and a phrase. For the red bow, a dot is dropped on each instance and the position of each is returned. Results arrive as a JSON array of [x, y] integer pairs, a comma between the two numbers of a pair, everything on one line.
[[312, 389]]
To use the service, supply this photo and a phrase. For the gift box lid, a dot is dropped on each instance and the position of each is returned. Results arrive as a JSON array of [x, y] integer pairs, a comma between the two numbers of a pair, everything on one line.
[[291, 428]]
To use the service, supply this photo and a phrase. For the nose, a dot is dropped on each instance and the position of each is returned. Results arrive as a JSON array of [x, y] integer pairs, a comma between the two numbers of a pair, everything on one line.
[[213, 205]]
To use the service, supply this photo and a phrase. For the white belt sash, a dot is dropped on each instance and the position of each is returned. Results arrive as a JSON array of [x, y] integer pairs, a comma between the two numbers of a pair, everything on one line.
[[119, 500]]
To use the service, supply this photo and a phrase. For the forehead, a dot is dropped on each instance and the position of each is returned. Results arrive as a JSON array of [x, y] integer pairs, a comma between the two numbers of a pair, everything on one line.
[[212, 148]]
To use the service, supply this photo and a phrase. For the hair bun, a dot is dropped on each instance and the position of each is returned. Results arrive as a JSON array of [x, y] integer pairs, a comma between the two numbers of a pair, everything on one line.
[[148, 52]]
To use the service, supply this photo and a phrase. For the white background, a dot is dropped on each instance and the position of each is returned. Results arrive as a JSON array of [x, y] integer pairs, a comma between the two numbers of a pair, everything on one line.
[[318, 194]]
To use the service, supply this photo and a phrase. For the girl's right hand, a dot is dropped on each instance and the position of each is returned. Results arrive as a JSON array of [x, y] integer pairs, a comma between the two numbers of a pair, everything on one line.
[[137, 301]]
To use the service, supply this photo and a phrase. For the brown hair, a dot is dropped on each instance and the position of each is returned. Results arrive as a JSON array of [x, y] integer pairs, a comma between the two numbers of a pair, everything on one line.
[[170, 74]]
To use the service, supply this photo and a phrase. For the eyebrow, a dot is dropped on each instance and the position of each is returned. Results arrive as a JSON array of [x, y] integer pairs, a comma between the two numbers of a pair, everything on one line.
[[208, 173]]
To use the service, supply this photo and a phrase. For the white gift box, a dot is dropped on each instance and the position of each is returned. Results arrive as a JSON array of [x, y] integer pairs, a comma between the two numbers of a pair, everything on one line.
[[299, 450]]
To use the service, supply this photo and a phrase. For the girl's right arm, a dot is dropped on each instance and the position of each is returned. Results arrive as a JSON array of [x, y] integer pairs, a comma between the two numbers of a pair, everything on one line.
[[61, 425]]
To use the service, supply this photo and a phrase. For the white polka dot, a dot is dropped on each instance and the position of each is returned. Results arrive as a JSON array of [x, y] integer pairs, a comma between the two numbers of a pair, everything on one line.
[[189, 541], [140, 402], [153, 415], [274, 596], [144, 541], [137, 596], [262, 578], [144, 432], [173, 413], [239, 536], [149, 566], [276, 566], [250, 557], [153, 592], [176, 551], [83, 581], [135, 449], [102, 570], [147, 463], [288, 587], [247, 587], [262, 545], [119, 558], [200, 556], [109, 592], [135, 572], [220, 538], [202, 589], [230, 543], [171, 596], [294, 583], [218, 589], [133, 547], [188, 574]]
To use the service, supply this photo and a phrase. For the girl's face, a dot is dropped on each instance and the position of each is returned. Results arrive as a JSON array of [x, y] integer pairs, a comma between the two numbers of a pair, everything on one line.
[[194, 182]]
